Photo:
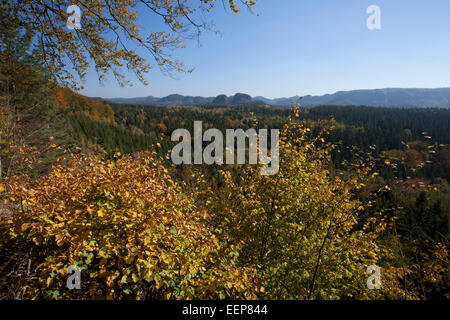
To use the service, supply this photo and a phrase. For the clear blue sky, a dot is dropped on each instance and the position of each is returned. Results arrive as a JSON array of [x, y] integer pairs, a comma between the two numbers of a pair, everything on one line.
[[307, 47]]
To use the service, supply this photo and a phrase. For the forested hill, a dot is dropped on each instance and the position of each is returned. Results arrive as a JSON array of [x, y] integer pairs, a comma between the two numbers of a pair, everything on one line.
[[180, 100], [407, 150], [390, 97], [95, 206]]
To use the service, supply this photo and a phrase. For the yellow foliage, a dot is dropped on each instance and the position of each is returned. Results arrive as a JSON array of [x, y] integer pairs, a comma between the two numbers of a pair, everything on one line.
[[128, 228]]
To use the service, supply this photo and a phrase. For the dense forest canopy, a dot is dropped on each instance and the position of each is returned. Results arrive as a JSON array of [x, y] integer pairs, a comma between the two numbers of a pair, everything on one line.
[[89, 184], [395, 189]]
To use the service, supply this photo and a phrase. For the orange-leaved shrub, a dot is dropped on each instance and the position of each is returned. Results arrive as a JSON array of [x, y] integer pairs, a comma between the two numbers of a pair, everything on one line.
[[129, 229]]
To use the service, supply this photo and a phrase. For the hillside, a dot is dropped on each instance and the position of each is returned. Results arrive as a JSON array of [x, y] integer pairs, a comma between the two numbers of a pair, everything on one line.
[[194, 199], [393, 97], [389, 97], [112, 201]]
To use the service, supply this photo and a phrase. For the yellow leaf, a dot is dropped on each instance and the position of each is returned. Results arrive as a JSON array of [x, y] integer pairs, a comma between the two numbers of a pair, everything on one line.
[[101, 213], [59, 239]]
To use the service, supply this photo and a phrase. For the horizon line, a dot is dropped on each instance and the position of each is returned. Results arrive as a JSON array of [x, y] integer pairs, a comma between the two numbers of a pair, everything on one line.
[[297, 95]]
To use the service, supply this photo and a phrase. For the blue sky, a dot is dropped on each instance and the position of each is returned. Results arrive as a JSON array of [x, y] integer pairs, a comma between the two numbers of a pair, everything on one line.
[[307, 47]]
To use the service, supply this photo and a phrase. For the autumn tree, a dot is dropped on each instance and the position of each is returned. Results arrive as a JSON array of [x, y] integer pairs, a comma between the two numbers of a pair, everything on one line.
[[301, 228], [24, 99], [111, 33]]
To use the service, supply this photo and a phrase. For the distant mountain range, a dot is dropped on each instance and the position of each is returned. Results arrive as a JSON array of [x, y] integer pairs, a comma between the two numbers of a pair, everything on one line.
[[393, 97], [179, 100]]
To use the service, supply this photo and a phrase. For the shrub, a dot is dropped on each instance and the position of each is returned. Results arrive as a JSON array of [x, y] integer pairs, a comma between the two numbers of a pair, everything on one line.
[[128, 228]]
